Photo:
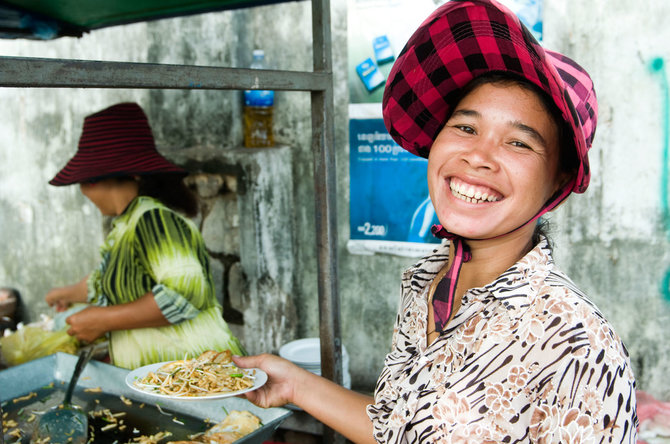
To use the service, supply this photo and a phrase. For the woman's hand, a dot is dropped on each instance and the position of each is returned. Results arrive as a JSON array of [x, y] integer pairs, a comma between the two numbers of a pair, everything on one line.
[[340, 409], [281, 386], [62, 297], [58, 298], [93, 322], [86, 324]]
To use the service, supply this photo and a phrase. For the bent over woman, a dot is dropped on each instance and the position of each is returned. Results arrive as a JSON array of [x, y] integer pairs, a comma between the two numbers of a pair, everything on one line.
[[153, 291]]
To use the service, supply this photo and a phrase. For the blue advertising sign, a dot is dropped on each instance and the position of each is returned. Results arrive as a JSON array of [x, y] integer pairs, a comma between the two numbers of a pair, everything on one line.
[[390, 210]]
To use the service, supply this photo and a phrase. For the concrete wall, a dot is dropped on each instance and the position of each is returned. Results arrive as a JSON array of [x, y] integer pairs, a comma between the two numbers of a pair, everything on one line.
[[612, 240]]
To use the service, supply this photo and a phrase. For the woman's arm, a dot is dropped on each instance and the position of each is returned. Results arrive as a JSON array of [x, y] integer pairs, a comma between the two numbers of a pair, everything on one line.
[[341, 409], [62, 297], [93, 322]]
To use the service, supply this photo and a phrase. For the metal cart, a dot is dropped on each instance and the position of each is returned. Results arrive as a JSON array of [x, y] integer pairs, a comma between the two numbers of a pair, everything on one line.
[[66, 73]]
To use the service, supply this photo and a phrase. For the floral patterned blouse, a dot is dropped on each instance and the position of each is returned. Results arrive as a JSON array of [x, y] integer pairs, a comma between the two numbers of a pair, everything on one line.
[[526, 359]]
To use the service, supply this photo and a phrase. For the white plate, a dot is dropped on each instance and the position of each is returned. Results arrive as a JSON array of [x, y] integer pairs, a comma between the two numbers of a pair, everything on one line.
[[306, 352], [260, 377]]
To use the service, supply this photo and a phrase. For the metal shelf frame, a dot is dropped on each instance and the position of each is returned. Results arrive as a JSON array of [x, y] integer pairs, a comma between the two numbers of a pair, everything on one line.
[[67, 73]]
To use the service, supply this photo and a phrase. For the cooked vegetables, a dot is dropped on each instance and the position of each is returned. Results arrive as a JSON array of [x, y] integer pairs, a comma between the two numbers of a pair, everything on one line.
[[236, 425], [209, 374], [119, 423], [152, 439]]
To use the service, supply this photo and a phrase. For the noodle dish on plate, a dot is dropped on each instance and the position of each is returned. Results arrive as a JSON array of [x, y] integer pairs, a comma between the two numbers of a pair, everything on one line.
[[210, 375]]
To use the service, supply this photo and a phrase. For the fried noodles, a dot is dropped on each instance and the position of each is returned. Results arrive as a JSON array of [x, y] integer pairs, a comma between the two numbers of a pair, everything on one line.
[[209, 374]]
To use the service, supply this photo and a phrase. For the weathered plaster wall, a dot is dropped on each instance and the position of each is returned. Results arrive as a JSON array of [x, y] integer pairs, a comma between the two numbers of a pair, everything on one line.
[[612, 240]]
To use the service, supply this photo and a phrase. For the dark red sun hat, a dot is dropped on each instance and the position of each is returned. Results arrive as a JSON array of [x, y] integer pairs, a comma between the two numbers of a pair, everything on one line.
[[116, 141], [464, 39]]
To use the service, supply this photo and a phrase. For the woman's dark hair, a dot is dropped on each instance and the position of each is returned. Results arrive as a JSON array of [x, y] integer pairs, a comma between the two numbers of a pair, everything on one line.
[[170, 190], [568, 161]]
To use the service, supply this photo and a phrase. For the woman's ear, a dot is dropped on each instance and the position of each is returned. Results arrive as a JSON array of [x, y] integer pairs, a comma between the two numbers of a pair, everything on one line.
[[563, 181]]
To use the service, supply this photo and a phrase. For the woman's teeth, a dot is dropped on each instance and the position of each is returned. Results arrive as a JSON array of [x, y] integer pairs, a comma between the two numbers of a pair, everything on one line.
[[470, 194]]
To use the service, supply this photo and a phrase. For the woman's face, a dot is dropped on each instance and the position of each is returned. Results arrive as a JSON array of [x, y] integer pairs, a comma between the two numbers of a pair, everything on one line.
[[100, 194], [495, 162]]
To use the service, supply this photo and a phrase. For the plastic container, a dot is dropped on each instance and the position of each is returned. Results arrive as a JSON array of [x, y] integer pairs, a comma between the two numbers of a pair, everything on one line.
[[258, 111]]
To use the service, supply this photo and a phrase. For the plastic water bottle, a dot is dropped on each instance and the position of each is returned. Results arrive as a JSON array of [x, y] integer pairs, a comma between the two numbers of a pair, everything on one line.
[[258, 108]]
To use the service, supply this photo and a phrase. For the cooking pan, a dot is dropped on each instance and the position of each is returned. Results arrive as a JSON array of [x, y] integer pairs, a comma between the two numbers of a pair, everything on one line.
[[102, 384]]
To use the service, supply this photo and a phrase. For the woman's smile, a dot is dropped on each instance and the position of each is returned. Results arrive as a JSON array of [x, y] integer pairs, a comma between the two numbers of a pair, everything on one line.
[[472, 193]]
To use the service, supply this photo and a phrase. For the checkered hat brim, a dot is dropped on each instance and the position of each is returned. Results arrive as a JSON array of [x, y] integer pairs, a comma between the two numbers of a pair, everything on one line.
[[116, 141], [464, 39]]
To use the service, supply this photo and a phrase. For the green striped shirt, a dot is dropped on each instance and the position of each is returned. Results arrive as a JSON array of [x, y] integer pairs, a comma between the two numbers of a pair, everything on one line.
[[154, 249]]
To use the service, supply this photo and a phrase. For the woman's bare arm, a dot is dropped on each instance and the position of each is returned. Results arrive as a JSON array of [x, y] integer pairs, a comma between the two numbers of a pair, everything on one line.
[[340, 409], [93, 322]]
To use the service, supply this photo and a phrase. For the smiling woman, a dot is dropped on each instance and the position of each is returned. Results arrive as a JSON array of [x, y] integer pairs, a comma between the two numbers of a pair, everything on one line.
[[493, 342]]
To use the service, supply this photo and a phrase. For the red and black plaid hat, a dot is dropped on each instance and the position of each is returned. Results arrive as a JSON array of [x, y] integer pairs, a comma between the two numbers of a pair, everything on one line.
[[116, 141], [464, 39]]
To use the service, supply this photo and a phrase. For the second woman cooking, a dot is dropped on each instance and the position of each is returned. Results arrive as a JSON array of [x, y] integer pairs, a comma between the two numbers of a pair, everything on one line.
[[153, 291]]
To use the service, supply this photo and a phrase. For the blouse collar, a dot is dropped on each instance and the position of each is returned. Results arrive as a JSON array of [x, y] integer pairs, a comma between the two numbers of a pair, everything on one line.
[[536, 264]]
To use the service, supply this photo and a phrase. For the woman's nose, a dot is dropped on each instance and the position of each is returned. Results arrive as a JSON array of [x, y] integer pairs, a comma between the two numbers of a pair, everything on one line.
[[480, 154]]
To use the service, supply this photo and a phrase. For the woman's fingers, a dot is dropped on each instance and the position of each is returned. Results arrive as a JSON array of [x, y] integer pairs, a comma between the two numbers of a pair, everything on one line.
[[281, 383], [85, 325], [58, 298]]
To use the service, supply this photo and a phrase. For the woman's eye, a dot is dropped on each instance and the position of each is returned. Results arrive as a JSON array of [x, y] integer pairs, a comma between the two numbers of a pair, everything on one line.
[[465, 128], [520, 144]]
